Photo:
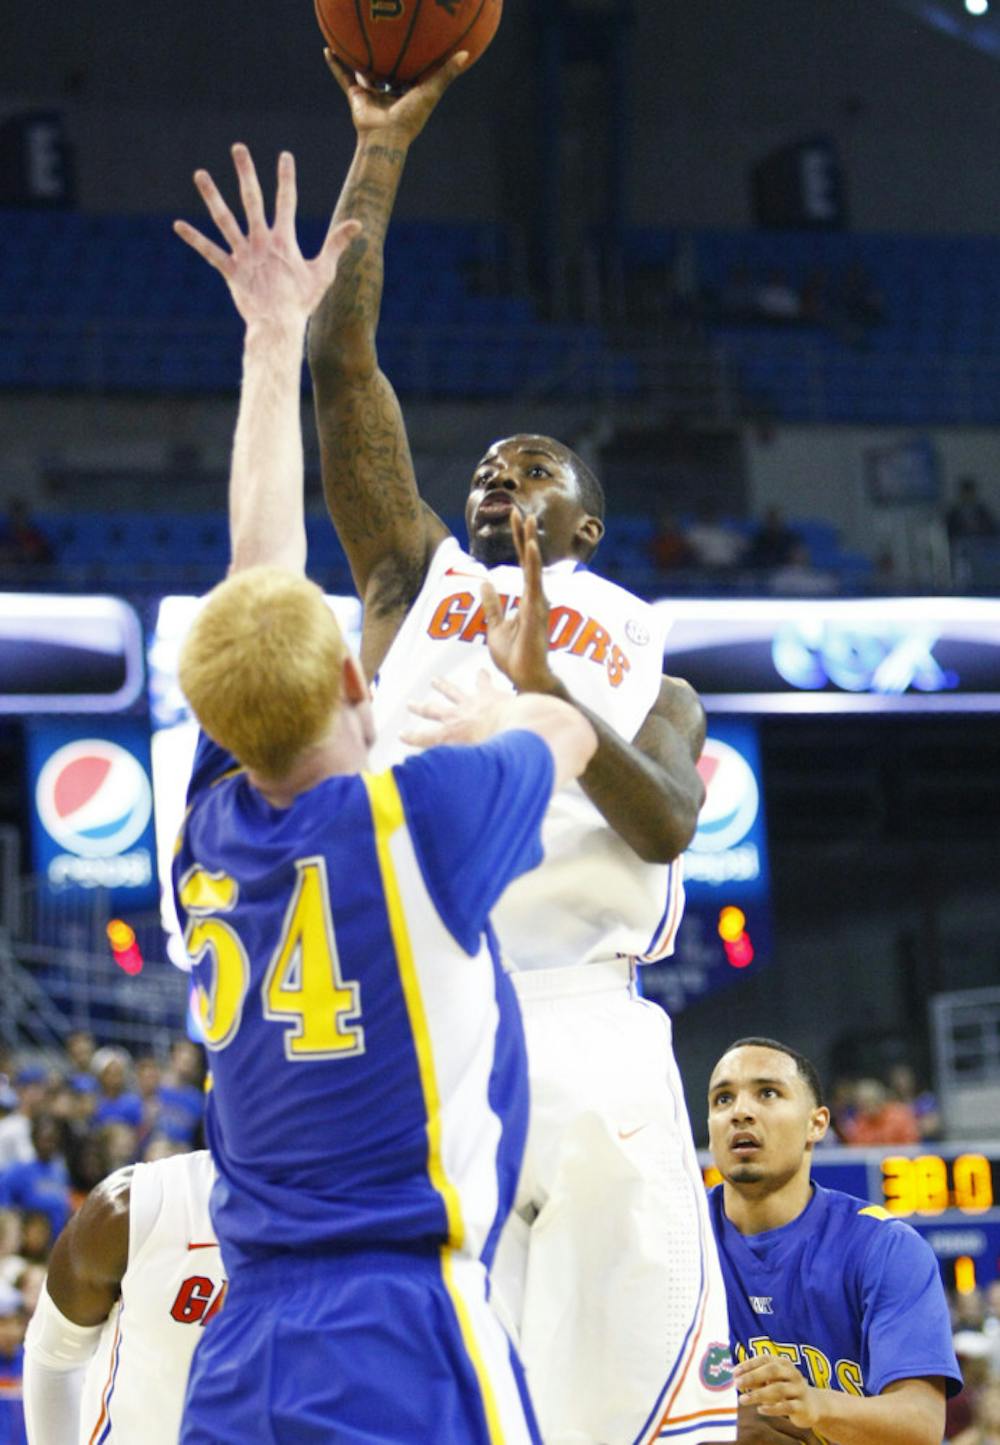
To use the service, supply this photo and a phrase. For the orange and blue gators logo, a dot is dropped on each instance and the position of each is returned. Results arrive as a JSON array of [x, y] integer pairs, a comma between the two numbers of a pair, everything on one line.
[[461, 616]]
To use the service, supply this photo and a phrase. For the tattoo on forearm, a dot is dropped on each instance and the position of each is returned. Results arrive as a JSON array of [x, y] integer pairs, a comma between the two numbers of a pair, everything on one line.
[[367, 461], [395, 155]]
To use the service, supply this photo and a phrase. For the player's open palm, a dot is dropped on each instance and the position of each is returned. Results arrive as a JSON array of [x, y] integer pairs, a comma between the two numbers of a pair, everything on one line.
[[398, 116], [267, 275], [519, 641]]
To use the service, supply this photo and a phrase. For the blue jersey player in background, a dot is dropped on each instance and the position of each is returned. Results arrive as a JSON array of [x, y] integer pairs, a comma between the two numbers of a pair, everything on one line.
[[368, 1100], [837, 1312]]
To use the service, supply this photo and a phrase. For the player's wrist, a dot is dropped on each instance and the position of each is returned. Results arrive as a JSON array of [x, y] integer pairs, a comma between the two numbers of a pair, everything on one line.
[[385, 144], [541, 680], [277, 337]]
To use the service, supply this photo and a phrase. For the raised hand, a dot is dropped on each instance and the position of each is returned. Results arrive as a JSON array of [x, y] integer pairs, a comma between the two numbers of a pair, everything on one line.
[[519, 642], [403, 116], [267, 275], [456, 716]]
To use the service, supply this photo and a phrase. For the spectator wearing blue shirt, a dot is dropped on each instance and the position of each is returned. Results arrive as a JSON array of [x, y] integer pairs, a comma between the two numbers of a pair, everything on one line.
[[837, 1313], [116, 1103], [12, 1326], [42, 1183]]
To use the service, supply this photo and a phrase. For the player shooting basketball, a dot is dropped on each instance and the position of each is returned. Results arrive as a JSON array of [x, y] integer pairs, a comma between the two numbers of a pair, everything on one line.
[[606, 1273]]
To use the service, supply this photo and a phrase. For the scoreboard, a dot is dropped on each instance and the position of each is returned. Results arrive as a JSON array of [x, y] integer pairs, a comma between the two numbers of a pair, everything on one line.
[[949, 1193]]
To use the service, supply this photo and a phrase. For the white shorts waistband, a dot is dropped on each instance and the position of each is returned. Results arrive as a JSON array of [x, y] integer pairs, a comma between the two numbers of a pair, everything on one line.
[[609, 975]]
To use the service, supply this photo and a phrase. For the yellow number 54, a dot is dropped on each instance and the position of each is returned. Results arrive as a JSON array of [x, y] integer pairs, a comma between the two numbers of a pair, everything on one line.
[[303, 983]]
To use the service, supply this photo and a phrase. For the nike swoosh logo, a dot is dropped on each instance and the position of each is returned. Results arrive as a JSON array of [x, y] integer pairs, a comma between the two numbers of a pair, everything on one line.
[[631, 1133], [210, 1245], [454, 572]]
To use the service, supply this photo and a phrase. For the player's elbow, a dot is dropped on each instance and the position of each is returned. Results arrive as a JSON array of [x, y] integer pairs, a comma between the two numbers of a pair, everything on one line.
[[345, 351]]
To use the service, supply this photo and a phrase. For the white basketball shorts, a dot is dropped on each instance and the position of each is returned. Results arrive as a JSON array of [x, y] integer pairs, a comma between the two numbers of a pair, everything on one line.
[[607, 1274]]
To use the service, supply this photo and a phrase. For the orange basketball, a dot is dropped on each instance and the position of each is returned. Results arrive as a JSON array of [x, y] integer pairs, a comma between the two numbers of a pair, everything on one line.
[[393, 43]]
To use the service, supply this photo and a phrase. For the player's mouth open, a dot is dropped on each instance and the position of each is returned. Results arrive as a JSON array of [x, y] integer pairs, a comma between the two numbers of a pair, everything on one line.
[[743, 1143], [494, 505]]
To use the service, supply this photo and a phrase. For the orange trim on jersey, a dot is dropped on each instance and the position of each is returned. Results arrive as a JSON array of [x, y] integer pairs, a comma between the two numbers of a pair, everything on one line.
[[106, 1392], [720, 1414], [665, 1419]]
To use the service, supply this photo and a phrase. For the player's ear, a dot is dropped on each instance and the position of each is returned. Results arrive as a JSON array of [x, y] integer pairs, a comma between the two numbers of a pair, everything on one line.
[[354, 682], [589, 532], [819, 1123]]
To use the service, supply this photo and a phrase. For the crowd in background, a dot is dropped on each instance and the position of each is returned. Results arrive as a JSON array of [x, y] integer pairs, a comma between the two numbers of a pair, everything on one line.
[[63, 1127]]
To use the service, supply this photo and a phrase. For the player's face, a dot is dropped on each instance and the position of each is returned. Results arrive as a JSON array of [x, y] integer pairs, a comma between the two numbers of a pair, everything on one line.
[[535, 475], [762, 1118]]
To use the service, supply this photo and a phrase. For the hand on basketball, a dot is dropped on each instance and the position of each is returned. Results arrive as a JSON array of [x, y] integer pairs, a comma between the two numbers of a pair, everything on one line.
[[397, 117], [519, 642], [267, 275], [776, 1387], [457, 716]]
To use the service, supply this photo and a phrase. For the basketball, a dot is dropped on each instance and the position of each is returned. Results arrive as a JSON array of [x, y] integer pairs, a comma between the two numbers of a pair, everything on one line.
[[394, 43]]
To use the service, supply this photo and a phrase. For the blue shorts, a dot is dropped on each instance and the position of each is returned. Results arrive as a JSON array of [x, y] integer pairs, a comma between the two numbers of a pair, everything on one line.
[[375, 1346]]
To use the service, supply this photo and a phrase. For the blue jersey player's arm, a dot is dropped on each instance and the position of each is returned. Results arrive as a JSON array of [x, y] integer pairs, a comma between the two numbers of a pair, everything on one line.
[[475, 812], [907, 1358]]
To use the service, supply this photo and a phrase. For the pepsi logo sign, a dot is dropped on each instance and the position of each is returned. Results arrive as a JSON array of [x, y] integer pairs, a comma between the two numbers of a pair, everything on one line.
[[94, 798], [732, 798]]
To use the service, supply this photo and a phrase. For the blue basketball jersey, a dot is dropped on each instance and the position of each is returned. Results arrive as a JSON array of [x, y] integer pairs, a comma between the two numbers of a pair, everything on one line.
[[368, 1082], [849, 1293]]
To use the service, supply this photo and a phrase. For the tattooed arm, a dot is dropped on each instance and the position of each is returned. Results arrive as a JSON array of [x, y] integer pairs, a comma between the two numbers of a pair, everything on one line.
[[368, 480]]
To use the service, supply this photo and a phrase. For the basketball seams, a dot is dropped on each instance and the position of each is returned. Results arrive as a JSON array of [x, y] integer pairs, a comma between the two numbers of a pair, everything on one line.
[[456, 45], [403, 47], [364, 31], [406, 40], [336, 45]]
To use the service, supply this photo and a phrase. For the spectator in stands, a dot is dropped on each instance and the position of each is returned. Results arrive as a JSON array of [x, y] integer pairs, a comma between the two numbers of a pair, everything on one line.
[[798, 577], [973, 1352], [41, 1183], [11, 1261], [147, 1082], [117, 1102], [182, 1095], [777, 299], [877, 1119], [842, 1107], [36, 1236], [815, 291], [772, 543], [668, 546], [23, 544], [15, 1129], [985, 1427], [901, 1079], [711, 543], [969, 516], [13, 1323], [858, 304], [80, 1048]]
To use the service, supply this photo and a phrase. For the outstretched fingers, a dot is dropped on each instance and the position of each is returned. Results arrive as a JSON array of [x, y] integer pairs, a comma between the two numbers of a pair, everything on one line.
[[213, 254], [492, 606], [250, 191], [287, 197], [218, 210], [528, 552]]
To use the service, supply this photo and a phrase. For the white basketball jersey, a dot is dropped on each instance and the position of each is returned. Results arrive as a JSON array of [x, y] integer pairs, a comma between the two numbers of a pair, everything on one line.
[[592, 898], [174, 1282]]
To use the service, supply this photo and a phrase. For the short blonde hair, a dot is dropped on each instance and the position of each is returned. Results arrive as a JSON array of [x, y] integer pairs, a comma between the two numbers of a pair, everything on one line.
[[262, 667]]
